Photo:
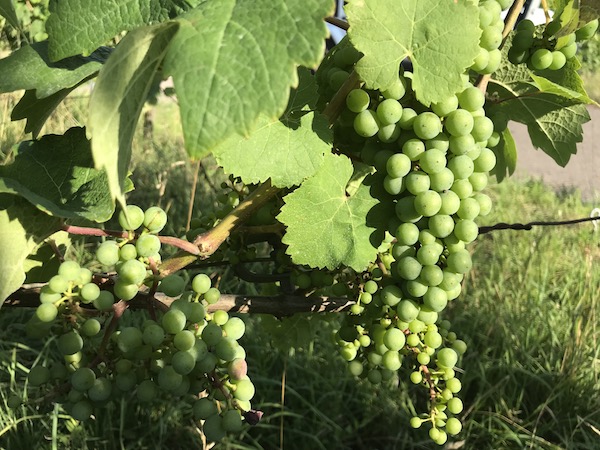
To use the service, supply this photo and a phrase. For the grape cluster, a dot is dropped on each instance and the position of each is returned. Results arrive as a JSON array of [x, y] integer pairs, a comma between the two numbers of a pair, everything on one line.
[[492, 27], [186, 353], [541, 48], [431, 164]]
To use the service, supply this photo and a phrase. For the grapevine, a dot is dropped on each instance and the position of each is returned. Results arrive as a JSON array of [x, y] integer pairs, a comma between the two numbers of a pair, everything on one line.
[[355, 181]]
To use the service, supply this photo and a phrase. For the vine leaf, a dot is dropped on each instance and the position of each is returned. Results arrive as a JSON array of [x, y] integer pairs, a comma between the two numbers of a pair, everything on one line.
[[22, 228], [325, 226], [81, 26], [30, 68], [37, 110], [387, 32], [120, 92], [7, 10], [565, 82], [57, 175], [232, 61], [506, 156], [287, 150]]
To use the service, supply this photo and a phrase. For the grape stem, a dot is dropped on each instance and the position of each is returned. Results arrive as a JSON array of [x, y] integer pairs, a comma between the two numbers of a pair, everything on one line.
[[338, 23], [168, 240], [430, 383]]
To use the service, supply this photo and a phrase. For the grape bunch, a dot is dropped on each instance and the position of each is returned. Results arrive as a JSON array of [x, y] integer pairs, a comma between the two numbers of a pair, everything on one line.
[[542, 48], [187, 353], [492, 27], [430, 166]]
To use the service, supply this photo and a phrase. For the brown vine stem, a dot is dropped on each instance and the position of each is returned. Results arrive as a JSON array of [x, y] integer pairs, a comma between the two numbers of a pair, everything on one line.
[[338, 23], [336, 105], [509, 24], [169, 240]]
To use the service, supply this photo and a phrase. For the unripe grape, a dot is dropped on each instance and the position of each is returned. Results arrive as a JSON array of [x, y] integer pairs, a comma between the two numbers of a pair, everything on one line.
[[147, 245], [389, 111], [587, 31], [154, 220], [131, 218], [541, 59], [427, 125], [201, 283], [366, 123], [46, 312], [447, 359], [172, 285], [357, 100]]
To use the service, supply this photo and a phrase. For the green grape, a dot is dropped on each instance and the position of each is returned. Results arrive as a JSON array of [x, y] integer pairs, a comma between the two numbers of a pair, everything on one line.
[[407, 234], [462, 188], [226, 349], [397, 90], [212, 296], [407, 310], [357, 100], [244, 390], [204, 408], [155, 219], [346, 56], [494, 62], [183, 362], [391, 295], [337, 79], [485, 203], [169, 379], [445, 107], [471, 99], [153, 335], [46, 312], [69, 270], [107, 253], [416, 378], [81, 410], [104, 302], [417, 182], [237, 369], [389, 111], [483, 127], [100, 391], [125, 381], [459, 123], [450, 202], [47, 295], [441, 225], [232, 421], [461, 145], [459, 262], [173, 321], [481, 60], [147, 245], [526, 25], [70, 343], [393, 186], [212, 334], [486, 161], [415, 422], [453, 426], [127, 252], [447, 359], [440, 142], [131, 218], [459, 346], [91, 327], [89, 292], [558, 60], [129, 339], [407, 120], [392, 360], [433, 339], [431, 275], [491, 38], [428, 203], [213, 428], [220, 317], [587, 31], [14, 401], [523, 39], [124, 290], [517, 56], [569, 50], [541, 59], [429, 254], [172, 285], [201, 283], [453, 384], [38, 375], [398, 165], [83, 379], [196, 313], [132, 272], [413, 148], [409, 268], [389, 133], [427, 125], [366, 123], [455, 405], [461, 166], [394, 339], [184, 340], [432, 161], [234, 328], [442, 180], [58, 284]]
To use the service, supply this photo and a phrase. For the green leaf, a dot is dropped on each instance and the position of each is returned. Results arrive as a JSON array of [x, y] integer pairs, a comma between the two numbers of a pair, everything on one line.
[[7, 10], [36, 110], [120, 92], [295, 332], [232, 61], [325, 226], [30, 68], [565, 82], [287, 150], [81, 26], [22, 228], [506, 156], [43, 262], [57, 175], [554, 122], [388, 32]]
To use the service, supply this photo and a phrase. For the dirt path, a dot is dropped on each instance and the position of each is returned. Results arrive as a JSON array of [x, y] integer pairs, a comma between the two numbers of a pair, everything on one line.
[[583, 169]]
